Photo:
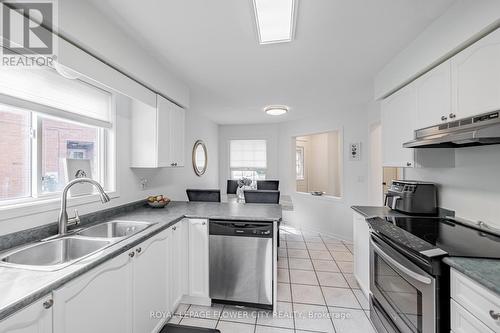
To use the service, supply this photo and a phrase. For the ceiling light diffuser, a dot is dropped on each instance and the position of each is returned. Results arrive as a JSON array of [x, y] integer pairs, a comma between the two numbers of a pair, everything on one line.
[[275, 20], [276, 110]]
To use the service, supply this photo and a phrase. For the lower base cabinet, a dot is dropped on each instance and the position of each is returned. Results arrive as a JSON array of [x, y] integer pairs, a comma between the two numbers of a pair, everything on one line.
[[179, 270], [361, 237], [35, 318], [128, 294]]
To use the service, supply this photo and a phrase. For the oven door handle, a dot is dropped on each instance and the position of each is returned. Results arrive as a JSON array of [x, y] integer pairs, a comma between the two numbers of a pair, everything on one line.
[[407, 271]]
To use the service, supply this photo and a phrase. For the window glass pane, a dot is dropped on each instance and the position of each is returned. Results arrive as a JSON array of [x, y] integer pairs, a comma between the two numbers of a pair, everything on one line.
[[15, 157], [254, 175], [61, 140], [299, 162]]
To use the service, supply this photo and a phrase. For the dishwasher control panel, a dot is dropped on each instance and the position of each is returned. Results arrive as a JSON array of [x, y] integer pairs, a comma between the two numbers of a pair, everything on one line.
[[241, 228]]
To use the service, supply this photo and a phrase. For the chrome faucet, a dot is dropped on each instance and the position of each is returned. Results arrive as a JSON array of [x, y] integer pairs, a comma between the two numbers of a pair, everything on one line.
[[64, 221]]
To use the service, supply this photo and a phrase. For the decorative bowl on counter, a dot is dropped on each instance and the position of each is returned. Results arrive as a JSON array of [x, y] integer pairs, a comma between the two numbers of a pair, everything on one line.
[[317, 193], [158, 201]]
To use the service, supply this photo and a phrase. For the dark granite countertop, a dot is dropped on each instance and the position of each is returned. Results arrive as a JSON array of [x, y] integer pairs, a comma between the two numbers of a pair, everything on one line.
[[21, 287], [376, 211], [484, 271]]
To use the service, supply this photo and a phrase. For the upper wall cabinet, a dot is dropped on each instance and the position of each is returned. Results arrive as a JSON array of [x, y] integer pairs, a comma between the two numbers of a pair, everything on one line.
[[398, 122], [157, 134], [476, 77], [433, 96]]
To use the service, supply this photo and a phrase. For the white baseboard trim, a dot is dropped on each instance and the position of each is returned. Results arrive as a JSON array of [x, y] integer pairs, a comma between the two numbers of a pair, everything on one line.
[[196, 300]]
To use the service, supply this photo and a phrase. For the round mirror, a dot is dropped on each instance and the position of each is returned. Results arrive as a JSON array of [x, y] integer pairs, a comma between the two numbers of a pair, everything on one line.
[[200, 158]]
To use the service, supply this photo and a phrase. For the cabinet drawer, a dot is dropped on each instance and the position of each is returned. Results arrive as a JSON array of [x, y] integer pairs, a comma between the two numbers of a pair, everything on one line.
[[478, 300], [462, 321]]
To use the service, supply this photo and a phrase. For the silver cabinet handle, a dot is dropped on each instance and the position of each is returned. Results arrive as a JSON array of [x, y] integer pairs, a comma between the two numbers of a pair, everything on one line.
[[494, 315], [172, 164], [48, 304], [131, 254], [174, 228], [203, 223], [452, 115], [138, 250], [408, 163], [444, 118]]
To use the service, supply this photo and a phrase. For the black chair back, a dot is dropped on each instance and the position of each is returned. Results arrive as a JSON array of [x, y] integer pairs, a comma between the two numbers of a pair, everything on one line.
[[262, 196], [203, 195], [232, 186], [270, 185]]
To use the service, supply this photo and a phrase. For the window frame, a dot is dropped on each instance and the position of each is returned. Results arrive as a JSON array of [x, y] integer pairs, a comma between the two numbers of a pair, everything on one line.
[[251, 169], [37, 201]]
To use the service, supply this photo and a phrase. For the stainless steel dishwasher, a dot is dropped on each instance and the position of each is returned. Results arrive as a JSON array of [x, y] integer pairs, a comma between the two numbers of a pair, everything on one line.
[[241, 263]]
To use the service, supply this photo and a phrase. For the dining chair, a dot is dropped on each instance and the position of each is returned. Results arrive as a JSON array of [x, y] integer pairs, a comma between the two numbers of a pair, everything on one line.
[[271, 185], [262, 196], [203, 195], [232, 186]]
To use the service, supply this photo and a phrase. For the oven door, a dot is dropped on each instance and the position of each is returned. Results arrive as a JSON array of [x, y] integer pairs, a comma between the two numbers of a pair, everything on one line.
[[404, 291]]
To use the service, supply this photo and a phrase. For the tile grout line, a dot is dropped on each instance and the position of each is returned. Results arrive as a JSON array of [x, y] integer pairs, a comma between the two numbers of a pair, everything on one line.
[[290, 288]]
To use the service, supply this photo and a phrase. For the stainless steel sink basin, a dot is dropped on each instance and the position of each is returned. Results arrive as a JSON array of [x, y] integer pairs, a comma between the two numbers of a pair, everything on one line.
[[114, 229], [53, 254]]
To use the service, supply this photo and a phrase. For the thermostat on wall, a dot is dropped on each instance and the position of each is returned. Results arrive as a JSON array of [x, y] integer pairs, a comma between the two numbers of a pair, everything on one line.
[[355, 151]]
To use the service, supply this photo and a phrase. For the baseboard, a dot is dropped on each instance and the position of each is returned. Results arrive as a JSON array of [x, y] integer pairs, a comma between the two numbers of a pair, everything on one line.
[[196, 300], [364, 289]]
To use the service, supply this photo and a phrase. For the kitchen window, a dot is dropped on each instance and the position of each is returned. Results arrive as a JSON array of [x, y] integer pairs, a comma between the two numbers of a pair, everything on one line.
[[44, 120], [248, 158], [299, 162]]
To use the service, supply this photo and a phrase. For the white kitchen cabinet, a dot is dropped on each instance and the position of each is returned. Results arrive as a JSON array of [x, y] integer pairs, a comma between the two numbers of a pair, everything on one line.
[[179, 272], [150, 283], [35, 318], [157, 134], [433, 96], [361, 241], [98, 301], [476, 77], [198, 261], [398, 124]]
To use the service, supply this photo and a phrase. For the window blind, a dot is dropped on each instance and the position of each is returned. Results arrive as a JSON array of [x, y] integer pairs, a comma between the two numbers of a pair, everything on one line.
[[44, 90], [248, 154]]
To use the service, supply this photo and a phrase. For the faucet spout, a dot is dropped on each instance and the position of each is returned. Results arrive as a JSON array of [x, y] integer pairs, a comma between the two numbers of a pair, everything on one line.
[[63, 214]]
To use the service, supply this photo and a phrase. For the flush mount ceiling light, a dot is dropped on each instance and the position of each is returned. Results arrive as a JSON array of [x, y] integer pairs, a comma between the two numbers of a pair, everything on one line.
[[275, 20], [276, 110]]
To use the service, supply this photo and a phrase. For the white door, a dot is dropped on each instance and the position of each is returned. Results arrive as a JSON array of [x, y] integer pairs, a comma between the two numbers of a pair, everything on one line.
[[177, 141], [150, 283], [198, 258], [35, 318], [98, 301], [164, 130], [476, 77], [179, 259], [398, 124], [433, 91], [361, 236]]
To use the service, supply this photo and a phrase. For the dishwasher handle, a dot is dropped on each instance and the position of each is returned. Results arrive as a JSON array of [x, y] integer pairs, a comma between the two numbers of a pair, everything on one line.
[[243, 229]]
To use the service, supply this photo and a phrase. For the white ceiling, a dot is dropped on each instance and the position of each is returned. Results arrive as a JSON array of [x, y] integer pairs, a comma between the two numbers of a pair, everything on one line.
[[339, 46]]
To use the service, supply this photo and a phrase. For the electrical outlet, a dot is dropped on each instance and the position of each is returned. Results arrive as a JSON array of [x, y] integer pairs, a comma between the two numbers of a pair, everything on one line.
[[144, 183]]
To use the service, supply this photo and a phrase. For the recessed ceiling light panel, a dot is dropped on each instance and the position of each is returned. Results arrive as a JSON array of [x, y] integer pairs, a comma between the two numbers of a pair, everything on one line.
[[276, 110], [275, 20]]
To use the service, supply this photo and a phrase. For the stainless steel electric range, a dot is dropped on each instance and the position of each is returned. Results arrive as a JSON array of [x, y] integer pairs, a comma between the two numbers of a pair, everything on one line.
[[409, 284]]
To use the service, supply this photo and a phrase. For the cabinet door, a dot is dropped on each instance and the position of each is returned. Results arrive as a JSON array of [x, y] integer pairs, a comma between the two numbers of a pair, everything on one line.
[[476, 77], [198, 258], [398, 119], [150, 283], [177, 141], [433, 91], [35, 318], [164, 130], [361, 236], [98, 301], [179, 259]]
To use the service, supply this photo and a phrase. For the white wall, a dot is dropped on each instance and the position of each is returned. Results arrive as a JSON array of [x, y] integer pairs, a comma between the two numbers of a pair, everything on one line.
[[323, 214], [465, 21], [268, 132], [170, 182]]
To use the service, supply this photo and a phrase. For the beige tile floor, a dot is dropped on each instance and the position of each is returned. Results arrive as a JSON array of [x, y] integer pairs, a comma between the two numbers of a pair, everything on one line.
[[316, 293]]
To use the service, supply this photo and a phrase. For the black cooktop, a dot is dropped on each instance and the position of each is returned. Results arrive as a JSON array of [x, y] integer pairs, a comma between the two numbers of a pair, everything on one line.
[[426, 235]]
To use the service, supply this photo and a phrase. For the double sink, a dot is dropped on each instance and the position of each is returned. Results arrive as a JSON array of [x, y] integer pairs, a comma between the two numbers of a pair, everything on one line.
[[57, 253]]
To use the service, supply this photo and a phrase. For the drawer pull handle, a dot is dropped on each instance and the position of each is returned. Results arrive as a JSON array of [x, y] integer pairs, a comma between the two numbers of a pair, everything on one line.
[[495, 315], [48, 304], [138, 250], [131, 254]]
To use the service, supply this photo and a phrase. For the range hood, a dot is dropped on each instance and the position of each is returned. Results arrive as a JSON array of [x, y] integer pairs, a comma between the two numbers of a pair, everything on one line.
[[483, 129]]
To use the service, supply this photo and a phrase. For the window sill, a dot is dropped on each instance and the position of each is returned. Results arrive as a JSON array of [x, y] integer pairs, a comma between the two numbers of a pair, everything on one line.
[[47, 204], [320, 197]]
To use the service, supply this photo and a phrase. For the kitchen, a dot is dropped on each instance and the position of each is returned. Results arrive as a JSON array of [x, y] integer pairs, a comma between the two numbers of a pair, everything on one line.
[[159, 104]]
